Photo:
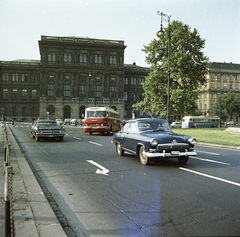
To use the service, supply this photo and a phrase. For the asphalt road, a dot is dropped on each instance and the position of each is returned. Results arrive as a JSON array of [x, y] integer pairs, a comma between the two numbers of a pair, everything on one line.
[[103, 194]]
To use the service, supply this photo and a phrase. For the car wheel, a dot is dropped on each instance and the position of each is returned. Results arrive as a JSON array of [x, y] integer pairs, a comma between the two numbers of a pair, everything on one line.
[[32, 136], [60, 139], [143, 158], [119, 149], [37, 138], [90, 133], [183, 160]]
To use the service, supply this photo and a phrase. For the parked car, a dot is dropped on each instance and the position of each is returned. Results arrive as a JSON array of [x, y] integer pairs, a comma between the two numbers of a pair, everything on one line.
[[47, 128], [67, 121], [153, 138], [79, 121], [59, 121], [176, 125], [230, 123]]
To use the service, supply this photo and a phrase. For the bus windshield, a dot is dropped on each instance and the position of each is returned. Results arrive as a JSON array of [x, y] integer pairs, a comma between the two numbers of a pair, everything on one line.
[[96, 114]]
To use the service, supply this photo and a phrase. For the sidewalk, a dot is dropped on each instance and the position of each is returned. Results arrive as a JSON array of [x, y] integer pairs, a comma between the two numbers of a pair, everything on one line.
[[31, 213]]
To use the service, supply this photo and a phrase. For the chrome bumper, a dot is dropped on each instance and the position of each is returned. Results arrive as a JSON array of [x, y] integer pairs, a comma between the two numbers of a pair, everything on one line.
[[169, 155]]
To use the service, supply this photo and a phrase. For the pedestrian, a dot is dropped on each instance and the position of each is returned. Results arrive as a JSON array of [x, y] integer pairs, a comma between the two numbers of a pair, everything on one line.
[[12, 121], [75, 122]]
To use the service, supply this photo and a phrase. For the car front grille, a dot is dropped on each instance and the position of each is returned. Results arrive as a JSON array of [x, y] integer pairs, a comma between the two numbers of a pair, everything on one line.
[[173, 147]]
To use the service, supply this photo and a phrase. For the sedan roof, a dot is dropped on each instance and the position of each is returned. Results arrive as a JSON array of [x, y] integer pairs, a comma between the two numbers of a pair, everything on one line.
[[146, 120]]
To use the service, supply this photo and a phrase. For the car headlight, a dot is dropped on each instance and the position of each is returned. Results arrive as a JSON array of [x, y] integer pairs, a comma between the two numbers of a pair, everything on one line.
[[192, 141], [153, 142]]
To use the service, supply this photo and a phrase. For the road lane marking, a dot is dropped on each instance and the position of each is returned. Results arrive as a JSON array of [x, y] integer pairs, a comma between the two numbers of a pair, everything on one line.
[[210, 176], [211, 153], [77, 138], [95, 143], [103, 170], [213, 161]]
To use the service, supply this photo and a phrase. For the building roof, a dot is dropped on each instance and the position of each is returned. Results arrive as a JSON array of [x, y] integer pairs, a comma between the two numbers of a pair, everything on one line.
[[232, 66]]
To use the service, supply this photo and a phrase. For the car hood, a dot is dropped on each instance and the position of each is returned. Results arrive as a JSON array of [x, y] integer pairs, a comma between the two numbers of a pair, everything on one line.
[[48, 127], [167, 137]]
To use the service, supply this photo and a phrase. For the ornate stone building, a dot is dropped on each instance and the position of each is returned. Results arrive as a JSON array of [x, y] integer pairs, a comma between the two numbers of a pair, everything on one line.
[[72, 74]]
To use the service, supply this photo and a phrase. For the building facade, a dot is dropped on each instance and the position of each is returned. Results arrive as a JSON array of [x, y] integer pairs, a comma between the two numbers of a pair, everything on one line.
[[72, 74], [75, 73], [221, 79]]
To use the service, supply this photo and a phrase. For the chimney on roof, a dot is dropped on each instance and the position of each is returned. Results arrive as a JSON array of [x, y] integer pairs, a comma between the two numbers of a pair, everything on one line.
[[134, 63]]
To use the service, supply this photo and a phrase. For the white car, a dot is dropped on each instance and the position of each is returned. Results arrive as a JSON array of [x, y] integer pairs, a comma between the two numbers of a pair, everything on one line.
[[176, 125]]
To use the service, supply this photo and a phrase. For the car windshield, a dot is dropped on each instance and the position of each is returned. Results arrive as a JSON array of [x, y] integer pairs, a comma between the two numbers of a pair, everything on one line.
[[47, 123], [96, 114], [153, 126]]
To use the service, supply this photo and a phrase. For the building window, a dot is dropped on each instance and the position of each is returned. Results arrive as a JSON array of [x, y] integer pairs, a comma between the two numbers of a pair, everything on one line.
[[218, 84], [113, 90], [113, 60], [125, 96], [231, 77], [200, 105], [33, 111], [133, 97], [14, 94], [212, 84], [34, 78], [98, 90], [51, 110], [212, 105], [237, 85], [83, 58], [200, 95], [24, 77], [133, 81], [5, 77], [14, 77], [141, 80], [67, 57], [205, 105], [230, 86], [126, 81], [51, 57], [34, 94], [5, 93], [67, 90], [225, 85], [82, 90], [225, 76], [24, 111], [51, 89], [98, 59], [14, 110], [205, 95], [212, 95], [24, 94], [212, 75]]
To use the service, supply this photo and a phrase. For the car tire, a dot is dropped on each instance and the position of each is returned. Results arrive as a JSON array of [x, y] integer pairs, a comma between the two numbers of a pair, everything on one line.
[[143, 158], [119, 149], [183, 159], [37, 138], [32, 136], [61, 139]]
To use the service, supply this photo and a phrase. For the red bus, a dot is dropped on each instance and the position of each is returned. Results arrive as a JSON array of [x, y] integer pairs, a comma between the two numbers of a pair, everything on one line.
[[101, 119]]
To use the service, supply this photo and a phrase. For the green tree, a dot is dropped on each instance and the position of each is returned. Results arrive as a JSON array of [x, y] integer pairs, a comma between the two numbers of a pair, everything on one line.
[[187, 66], [230, 104]]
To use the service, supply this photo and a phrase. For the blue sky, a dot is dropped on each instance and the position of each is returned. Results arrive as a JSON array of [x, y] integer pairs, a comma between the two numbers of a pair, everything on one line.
[[22, 22]]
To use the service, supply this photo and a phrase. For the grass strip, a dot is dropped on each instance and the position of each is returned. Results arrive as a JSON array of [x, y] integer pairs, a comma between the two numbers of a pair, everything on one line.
[[211, 135]]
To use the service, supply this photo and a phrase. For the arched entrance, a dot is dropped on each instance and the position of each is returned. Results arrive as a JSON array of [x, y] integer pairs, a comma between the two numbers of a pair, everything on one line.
[[82, 111], [67, 111]]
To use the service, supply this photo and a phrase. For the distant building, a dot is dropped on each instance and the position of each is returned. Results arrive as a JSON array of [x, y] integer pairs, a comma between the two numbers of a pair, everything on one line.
[[73, 73], [222, 78]]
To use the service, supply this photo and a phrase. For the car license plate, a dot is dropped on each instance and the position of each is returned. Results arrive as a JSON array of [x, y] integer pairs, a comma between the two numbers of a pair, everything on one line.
[[175, 152]]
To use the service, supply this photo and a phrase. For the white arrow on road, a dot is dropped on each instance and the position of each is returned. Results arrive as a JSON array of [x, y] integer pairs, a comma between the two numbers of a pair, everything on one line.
[[103, 170]]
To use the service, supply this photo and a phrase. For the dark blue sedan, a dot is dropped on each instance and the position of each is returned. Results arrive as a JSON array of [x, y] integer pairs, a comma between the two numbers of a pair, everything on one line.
[[153, 138]]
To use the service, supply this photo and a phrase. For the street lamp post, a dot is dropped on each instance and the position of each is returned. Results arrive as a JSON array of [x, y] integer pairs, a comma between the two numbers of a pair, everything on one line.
[[220, 123], [161, 31]]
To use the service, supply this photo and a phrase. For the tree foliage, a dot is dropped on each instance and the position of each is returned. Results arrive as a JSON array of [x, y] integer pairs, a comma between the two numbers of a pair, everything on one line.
[[187, 66], [230, 106]]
